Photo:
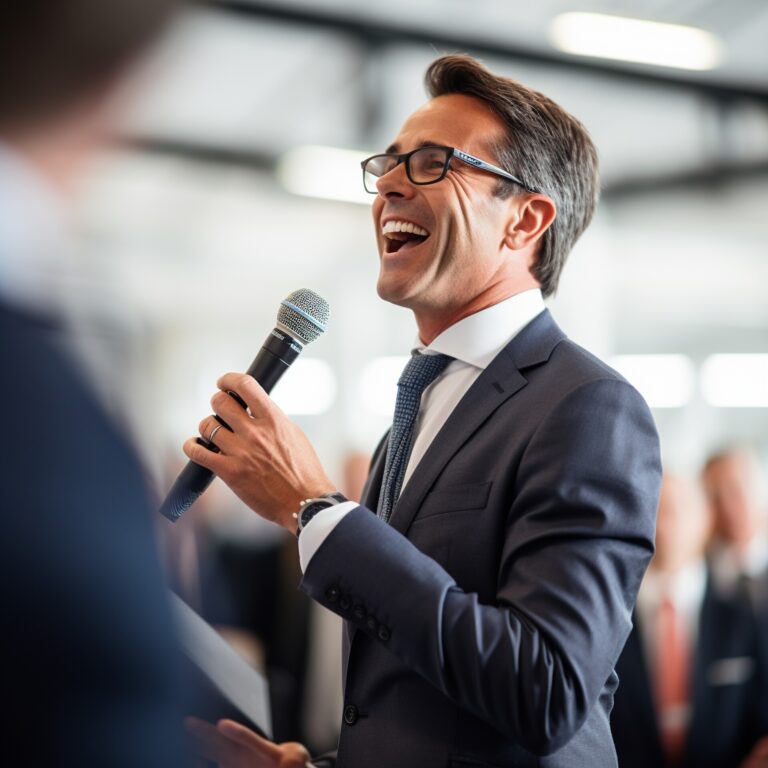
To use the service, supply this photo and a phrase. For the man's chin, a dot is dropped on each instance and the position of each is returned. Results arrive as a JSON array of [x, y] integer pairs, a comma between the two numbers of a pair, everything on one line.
[[392, 293]]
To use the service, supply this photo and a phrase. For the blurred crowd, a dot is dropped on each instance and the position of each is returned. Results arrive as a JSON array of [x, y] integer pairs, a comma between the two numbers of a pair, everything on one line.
[[694, 673]]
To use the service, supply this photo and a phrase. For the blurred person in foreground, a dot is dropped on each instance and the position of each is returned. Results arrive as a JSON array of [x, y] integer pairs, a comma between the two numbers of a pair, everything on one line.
[[691, 672], [488, 574], [87, 642]]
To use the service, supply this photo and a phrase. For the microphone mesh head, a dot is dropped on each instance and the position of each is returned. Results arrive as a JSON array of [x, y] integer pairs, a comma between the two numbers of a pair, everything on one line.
[[304, 314]]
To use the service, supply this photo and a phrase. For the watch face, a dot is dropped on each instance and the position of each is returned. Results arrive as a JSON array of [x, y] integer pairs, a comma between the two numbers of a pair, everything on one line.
[[311, 509]]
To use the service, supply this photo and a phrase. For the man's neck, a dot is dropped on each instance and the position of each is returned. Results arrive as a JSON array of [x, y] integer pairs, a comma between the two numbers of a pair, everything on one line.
[[432, 322]]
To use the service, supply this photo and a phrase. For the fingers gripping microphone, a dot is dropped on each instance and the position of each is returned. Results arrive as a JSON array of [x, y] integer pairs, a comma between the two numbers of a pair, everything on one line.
[[302, 317]]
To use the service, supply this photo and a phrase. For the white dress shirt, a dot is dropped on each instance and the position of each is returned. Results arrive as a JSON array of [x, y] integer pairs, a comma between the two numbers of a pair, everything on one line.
[[473, 343], [729, 565]]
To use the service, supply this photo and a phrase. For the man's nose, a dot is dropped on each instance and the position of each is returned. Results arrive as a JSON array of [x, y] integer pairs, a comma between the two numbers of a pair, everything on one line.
[[395, 183]]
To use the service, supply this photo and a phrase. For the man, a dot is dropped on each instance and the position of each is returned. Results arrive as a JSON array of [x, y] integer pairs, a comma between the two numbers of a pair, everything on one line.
[[735, 489], [738, 554], [691, 671], [87, 649], [488, 576]]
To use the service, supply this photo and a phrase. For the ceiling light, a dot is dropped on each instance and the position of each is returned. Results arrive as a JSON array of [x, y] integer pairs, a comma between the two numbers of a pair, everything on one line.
[[326, 172], [626, 39], [665, 381], [735, 381], [378, 384], [309, 389]]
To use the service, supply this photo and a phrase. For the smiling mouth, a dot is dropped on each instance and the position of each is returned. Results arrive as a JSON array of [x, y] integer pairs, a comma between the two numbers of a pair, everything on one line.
[[402, 235]]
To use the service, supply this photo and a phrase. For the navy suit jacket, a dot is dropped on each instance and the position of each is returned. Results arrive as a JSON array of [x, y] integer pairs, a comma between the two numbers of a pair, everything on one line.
[[728, 684], [484, 622], [87, 647]]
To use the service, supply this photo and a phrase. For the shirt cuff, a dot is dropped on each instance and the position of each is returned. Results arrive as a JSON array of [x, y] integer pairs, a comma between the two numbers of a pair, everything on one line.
[[319, 528]]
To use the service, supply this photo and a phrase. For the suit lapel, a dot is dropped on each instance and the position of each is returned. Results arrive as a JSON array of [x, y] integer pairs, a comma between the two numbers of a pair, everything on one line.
[[497, 383]]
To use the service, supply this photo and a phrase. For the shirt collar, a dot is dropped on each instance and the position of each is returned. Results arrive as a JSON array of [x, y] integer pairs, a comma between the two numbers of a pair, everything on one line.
[[756, 560], [686, 588], [477, 339], [729, 565]]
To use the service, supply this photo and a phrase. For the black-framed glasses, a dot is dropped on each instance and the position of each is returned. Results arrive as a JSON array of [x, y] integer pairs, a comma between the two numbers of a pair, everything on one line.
[[427, 165]]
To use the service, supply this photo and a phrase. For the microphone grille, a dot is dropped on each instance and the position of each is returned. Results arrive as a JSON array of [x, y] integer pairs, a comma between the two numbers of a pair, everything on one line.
[[304, 314]]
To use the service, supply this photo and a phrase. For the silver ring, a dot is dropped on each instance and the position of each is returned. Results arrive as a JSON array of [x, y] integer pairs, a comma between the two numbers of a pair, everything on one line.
[[213, 432]]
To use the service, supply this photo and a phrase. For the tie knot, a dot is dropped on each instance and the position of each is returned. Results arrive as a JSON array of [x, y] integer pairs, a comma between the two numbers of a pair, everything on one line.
[[422, 370]]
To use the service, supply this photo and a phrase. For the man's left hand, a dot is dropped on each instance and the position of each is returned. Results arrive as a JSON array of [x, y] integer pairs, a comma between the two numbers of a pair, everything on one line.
[[264, 457], [758, 757], [231, 745]]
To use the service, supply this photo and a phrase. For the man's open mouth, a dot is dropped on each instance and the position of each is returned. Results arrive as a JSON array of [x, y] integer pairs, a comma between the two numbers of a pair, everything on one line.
[[399, 235]]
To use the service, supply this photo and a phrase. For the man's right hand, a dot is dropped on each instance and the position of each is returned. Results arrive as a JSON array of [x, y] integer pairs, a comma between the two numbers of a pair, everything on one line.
[[231, 745]]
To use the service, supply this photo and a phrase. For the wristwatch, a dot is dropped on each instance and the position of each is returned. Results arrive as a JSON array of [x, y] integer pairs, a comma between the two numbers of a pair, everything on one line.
[[310, 507]]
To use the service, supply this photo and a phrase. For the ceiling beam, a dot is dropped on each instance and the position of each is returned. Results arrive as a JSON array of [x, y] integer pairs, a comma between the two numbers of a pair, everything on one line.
[[714, 177], [204, 154], [381, 31]]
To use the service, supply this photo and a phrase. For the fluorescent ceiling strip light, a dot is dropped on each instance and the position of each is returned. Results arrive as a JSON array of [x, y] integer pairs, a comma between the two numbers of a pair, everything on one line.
[[645, 42], [735, 381], [665, 381], [325, 172]]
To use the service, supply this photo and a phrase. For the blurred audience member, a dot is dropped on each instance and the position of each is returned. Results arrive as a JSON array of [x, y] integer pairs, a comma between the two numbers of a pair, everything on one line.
[[735, 488], [690, 674], [87, 649]]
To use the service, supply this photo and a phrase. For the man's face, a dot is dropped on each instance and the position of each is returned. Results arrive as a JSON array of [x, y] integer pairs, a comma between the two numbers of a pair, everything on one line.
[[463, 254], [683, 524], [733, 491]]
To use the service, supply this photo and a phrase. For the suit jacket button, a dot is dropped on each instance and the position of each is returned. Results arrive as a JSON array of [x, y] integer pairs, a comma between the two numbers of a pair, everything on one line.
[[345, 602], [372, 623], [332, 594], [383, 634], [358, 612], [350, 714]]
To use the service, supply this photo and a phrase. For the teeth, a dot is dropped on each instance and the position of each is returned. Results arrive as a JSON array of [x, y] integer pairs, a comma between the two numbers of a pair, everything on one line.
[[404, 226]]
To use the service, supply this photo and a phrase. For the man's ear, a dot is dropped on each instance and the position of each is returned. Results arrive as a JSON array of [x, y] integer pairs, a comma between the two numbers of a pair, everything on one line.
[[530, 217]]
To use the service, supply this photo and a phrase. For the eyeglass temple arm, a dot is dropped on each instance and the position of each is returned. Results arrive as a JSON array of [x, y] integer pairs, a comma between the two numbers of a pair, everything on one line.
[[478, 163]]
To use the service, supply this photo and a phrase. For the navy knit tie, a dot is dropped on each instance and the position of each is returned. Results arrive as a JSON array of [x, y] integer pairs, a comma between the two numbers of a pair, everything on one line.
[[419, 373]]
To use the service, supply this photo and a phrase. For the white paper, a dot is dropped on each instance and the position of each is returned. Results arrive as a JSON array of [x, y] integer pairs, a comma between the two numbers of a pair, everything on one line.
[[231, 675]]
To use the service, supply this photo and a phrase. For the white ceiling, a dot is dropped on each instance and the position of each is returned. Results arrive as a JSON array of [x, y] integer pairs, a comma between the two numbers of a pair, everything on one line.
[[261, 85]]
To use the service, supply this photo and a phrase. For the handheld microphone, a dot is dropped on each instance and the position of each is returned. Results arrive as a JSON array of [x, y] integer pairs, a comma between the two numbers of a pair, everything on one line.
[[302, 317]]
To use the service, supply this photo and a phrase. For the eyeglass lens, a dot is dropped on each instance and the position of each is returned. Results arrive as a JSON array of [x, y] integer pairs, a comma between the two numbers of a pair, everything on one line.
[[424, 166]]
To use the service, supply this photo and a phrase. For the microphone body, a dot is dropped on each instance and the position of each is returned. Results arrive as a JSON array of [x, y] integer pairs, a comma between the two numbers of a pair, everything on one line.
[[273, 359], [302, 317]]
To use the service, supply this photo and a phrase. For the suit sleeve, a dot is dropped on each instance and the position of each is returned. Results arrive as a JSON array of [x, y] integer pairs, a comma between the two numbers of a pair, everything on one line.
[[578, 536]]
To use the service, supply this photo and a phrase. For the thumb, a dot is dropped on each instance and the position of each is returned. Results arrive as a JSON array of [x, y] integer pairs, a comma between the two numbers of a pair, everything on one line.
[[248, 738]]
